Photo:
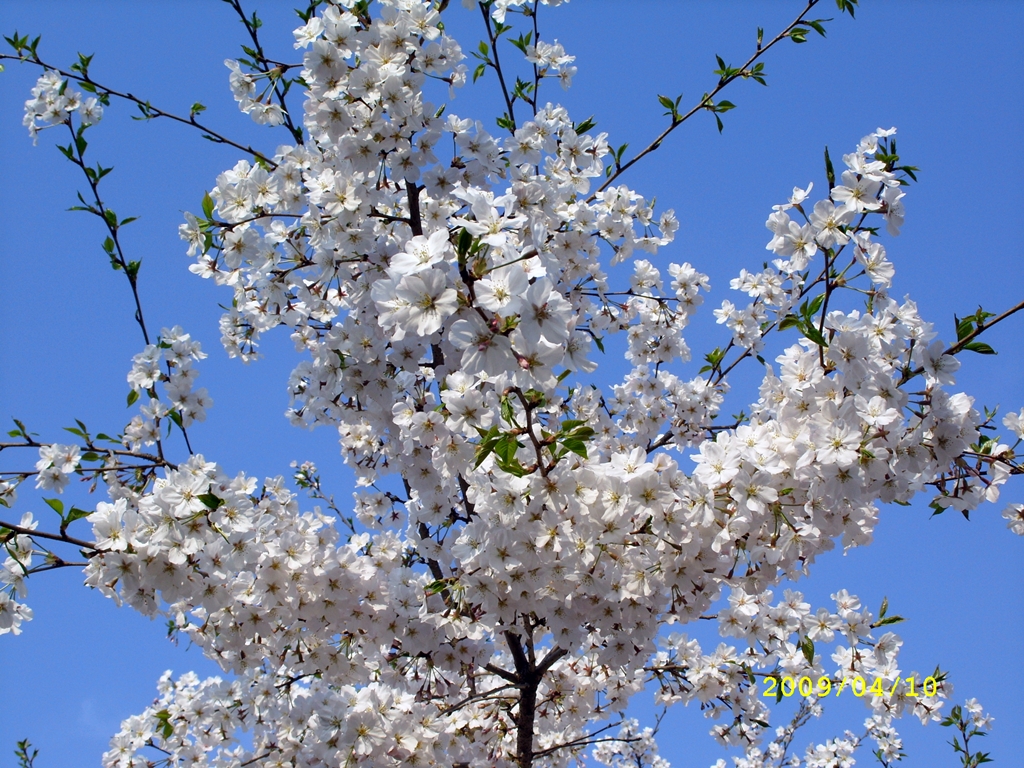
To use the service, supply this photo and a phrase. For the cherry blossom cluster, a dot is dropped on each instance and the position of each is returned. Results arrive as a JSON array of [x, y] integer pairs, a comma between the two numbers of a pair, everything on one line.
[[783, 640], [634, 746], [56, 465], [251, 101], [1014, 513], [54, 101], [171, 363], [519, 539], [20, 551]]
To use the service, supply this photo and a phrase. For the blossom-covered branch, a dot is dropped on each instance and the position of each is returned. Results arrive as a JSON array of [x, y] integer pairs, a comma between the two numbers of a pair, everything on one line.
[[521, 538]]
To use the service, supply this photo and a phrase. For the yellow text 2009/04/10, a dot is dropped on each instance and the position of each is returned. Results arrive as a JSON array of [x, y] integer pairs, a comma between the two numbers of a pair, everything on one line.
[[784, 687]]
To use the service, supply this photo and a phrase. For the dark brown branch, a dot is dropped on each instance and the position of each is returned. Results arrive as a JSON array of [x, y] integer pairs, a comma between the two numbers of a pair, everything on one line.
[[412, 192], [477, 697], [502, 673], [51, 536]]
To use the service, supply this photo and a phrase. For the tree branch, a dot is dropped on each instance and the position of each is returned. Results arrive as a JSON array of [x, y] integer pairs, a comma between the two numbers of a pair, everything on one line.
[[703, 104], [147, 109], [51, 536], [496, 66], [959, 346], [251, 26]]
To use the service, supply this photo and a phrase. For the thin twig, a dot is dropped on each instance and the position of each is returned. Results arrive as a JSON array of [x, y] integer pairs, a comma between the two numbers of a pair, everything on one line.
[[703, 104], [296, 131], [959, 346], [496, 66], [148, 109]]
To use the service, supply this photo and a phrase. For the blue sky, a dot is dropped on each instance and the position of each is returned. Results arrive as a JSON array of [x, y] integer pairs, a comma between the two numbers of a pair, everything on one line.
[[946, 74]]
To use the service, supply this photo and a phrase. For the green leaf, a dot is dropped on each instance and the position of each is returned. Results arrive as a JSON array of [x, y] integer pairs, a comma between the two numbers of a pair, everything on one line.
[[507, 411], [816, 26], [56, 505], [714, 357], [789, 321], [487, 443], [814, 306], [522, 42], [211, 501], [132, 397], [887, 621], [576, 446], [163, 717], [846, 5], [807, 646], [207, 206], [963, 327], [506, 448], [75, 514], [535, 398], [884, 608], [436, 587], [909, 170], [830, 172], [587, 125], [758, 73], [980, 347], [464, 243], [512, 467], [814, 335]]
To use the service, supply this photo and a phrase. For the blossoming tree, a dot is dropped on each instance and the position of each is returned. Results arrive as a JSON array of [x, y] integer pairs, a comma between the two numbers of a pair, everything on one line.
[[527, 542]]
